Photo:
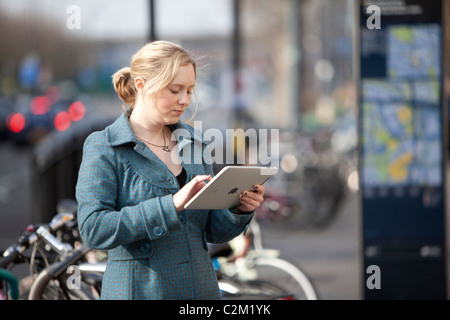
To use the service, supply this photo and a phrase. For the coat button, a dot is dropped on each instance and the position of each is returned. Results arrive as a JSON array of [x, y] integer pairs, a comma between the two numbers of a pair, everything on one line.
[[157, 231], [182, 219], [145, 246]]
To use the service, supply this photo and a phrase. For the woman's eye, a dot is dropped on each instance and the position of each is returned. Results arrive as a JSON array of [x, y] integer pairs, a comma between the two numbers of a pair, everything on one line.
[[177, 92]]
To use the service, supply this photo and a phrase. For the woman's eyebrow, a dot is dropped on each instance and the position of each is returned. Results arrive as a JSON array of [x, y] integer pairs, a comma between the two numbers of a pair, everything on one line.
[[181, 85]]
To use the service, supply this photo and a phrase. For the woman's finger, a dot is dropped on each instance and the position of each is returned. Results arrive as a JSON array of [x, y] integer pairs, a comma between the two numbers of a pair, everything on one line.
[[259, 189], [189, 190], [245, 207], [196, 181], [202, 178], [197, 188], [250, 202], [252, 195]]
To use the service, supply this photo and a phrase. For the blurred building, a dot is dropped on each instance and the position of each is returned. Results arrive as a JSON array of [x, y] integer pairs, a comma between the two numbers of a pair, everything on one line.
[[294, 57]]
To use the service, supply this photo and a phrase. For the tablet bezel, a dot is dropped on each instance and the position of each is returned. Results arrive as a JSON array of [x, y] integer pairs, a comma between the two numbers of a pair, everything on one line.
[[259, 174]]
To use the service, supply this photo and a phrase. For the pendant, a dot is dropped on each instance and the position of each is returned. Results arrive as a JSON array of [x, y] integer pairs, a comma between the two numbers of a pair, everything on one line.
[[166, 148]]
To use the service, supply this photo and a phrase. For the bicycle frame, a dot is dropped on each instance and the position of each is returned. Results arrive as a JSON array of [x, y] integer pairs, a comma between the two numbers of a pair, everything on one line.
[[66, 254], [243, 268], [58, 271], [43, 232], [91, 274], [12, 282]]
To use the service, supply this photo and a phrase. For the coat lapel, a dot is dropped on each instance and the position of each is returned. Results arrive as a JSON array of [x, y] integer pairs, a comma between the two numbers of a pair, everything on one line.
[[189, 145]]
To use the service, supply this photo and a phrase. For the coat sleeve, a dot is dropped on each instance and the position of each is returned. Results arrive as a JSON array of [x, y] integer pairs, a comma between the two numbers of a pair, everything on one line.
[[101, 225], [225, 225]]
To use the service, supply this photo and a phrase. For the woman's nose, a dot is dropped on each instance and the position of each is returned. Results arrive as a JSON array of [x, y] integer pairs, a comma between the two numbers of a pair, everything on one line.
[[184, 99]]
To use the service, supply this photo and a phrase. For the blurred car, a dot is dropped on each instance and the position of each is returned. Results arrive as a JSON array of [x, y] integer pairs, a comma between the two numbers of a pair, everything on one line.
[[6, 107], [33, 117]]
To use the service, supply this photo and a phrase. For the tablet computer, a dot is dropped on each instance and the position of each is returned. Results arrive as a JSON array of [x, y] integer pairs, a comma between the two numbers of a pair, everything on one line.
[[222, 192]]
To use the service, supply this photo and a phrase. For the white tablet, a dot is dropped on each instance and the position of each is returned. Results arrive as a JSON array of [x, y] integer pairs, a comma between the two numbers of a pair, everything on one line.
[[222, 192]]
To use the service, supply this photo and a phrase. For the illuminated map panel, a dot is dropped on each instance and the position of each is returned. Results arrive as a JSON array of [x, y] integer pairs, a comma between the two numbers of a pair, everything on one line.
[[402, 113], [401, 150]]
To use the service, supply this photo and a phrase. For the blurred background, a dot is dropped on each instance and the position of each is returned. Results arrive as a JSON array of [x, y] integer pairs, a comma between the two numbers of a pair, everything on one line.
[[287, 65]]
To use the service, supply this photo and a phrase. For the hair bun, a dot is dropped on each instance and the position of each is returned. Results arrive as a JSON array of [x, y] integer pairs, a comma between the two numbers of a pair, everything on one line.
[[123, 85]]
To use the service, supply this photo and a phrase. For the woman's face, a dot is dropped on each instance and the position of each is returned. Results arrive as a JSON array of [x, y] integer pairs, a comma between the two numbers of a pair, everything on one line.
[[171, 102]]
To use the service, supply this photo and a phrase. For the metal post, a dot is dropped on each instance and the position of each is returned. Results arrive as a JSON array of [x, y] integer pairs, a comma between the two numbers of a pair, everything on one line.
[[238, 108], [152, 32], [295, 38], [236, 37]]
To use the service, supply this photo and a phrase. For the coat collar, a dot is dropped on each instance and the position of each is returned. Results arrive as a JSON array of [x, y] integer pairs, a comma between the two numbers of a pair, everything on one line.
[[120, 132]]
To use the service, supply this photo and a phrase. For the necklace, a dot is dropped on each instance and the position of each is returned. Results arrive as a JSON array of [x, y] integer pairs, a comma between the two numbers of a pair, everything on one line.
[[164, 147]]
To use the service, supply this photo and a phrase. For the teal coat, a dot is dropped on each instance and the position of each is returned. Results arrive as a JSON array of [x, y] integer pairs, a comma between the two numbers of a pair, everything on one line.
[[124, 193]]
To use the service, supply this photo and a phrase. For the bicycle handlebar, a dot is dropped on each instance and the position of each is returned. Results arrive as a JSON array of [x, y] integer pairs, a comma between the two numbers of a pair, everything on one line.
[[56, 269], [61, 219], [42, 232], [10, 258], [58, 246]]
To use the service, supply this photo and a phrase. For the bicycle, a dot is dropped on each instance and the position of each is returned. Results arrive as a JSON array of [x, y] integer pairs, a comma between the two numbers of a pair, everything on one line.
[[311, 193], [54, 283], [258, 273], [47, 255], [253, 273], [252, 276]]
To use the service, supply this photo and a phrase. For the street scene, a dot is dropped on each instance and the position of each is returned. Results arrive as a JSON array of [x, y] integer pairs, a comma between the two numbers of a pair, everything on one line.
[[346, 99], [329, 255]]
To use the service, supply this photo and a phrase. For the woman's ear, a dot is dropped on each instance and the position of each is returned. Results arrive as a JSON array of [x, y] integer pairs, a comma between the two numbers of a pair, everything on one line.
[[139, 84]]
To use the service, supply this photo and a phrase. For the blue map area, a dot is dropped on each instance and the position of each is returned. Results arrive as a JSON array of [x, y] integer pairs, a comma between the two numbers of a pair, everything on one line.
[[401, 135], [412, 52]]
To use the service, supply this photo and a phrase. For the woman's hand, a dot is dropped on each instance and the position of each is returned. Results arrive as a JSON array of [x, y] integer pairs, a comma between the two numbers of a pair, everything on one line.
[[188, 191], [250, 200]]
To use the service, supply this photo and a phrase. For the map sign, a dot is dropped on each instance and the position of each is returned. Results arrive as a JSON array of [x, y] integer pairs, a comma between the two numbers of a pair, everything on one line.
[[402, 156], [412, 51], [401, 127]]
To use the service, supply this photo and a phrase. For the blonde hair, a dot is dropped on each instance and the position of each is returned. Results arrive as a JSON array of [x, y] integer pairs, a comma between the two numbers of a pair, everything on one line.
[[156, 63]]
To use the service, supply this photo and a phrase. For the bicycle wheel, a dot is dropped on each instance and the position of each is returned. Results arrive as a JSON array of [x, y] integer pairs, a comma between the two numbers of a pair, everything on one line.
[[252, 290], [52, 282], [281, 278], [45, 287]]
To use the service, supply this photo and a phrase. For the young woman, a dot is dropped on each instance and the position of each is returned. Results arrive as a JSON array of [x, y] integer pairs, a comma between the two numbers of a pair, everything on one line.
[[131, 190]]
